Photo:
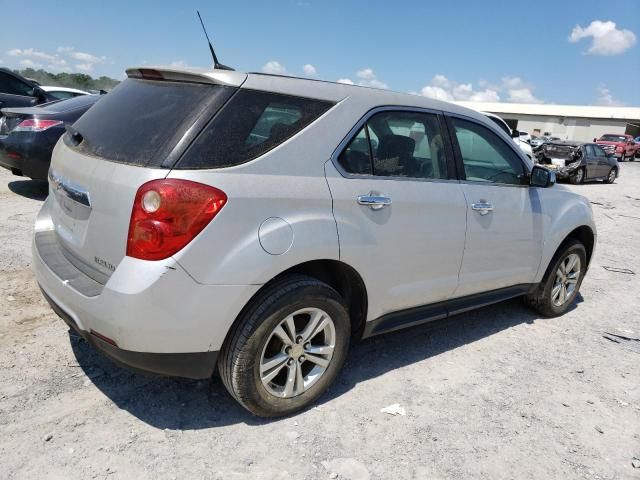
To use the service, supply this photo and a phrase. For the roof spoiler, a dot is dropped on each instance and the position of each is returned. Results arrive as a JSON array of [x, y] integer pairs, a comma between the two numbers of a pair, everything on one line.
[[213, 77]]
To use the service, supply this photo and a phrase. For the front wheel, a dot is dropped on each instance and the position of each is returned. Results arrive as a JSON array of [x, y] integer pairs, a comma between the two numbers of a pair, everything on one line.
[[578, 177], [611, 177], [561, 282], [287, 347]]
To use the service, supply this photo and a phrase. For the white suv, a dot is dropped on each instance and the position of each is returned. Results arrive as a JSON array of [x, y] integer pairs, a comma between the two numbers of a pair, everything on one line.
[[257, 224]]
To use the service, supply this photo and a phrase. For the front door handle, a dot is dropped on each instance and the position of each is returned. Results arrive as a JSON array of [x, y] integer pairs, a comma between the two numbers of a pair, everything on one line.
[[375, 202], [482, 207]]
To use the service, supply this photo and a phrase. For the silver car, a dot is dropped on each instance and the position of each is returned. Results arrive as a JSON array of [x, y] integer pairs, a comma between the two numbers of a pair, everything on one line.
[[257, 224]]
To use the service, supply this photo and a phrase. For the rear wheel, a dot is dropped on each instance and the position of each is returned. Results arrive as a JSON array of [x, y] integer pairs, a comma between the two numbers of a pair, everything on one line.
[[561, 283], [287, 347], [578, 177], [611, 177]]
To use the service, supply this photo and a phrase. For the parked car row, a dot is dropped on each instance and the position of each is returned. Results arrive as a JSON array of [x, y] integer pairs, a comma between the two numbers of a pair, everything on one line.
[[34, 117], [255, 225]]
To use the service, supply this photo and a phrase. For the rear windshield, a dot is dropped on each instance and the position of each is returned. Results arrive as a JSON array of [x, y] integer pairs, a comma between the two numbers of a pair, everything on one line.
[[141, 121], [248, 126]]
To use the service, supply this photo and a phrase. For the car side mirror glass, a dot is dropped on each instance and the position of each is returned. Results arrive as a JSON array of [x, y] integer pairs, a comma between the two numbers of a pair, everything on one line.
[[542, 177], [39, 94], [515, 133]]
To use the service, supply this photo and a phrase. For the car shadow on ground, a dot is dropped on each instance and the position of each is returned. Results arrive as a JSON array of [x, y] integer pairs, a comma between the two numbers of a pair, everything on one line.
[[33, 189], [181, 404]]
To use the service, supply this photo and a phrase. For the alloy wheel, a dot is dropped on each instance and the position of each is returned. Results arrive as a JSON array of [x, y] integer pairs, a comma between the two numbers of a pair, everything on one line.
[[298, 352], [612, 175], [567, 277]]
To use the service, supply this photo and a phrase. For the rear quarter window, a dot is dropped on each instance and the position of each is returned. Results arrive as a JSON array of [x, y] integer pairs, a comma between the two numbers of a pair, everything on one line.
[[249, 125]]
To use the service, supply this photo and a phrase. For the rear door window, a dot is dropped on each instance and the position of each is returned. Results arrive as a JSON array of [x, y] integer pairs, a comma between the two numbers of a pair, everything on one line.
[[249, 125], [141, 121]]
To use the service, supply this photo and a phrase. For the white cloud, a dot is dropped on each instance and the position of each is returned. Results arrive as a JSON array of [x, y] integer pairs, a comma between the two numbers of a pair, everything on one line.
[[486, 95], [605, 98], [309, 70], [442, 88], [87, 57], [367, 78], [366, 74], [31, 58], [522, 95], [440, 81], [606, 38], [28, 63], [30, 53], [274, 67], [437, 93], [514, 88]]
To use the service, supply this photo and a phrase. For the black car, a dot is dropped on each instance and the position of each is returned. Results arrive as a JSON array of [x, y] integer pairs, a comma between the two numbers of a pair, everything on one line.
[[17, 91], [28, 135], [578, 161]]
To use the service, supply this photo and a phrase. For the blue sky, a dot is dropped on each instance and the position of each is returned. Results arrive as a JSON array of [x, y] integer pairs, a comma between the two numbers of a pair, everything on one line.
[[573, 52]]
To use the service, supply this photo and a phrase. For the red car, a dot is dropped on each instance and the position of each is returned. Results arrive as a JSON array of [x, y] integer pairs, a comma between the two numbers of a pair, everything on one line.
[[621, 146]]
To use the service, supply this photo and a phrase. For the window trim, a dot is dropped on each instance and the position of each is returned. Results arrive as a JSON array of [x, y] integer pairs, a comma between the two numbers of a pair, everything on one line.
[[342, 146], [458, 154]]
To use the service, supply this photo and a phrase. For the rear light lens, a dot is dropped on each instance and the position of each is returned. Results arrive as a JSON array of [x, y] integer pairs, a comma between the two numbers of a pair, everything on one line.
[[36, 125], [167, 214]]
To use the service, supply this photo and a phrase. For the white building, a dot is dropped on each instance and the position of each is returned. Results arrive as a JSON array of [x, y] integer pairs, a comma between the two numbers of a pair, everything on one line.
[[569, 122]]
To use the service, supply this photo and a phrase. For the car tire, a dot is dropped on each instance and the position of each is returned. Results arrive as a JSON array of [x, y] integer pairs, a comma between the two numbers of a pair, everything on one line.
[[255, 348], [546, 299], [611, 177], [578, 177]]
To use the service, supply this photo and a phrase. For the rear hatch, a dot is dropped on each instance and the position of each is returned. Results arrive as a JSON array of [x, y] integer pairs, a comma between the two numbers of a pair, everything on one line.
[[133, 135]]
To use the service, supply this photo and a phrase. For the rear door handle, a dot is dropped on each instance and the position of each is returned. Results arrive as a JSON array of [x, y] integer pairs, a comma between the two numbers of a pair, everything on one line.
[[375, 202], [482, 207]]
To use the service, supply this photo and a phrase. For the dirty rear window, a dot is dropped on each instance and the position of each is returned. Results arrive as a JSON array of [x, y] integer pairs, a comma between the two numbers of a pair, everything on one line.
[[141, 121]]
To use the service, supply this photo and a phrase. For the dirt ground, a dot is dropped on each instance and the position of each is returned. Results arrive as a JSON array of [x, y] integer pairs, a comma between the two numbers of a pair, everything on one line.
[[496, 393]]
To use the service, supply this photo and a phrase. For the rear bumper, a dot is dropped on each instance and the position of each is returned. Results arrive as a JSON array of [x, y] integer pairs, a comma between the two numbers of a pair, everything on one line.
[[27, 153], [188, 365], [161, 320]]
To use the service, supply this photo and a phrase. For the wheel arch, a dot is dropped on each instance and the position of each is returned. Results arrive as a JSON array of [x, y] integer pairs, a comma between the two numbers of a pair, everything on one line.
[[339, 275]]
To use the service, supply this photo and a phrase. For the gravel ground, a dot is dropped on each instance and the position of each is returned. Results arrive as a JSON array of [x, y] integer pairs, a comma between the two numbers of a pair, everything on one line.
[[496, 393]]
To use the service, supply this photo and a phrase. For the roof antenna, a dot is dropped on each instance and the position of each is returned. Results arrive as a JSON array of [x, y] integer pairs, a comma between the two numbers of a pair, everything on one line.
[[216, 64]]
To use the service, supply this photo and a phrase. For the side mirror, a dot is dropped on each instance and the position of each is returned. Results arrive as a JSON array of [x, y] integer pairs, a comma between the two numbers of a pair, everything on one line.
[[542, 177], [39, 94], [515, 134]]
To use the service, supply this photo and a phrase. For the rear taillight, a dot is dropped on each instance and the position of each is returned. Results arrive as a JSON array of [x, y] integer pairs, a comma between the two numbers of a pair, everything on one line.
[[36, 125], [167, 214]]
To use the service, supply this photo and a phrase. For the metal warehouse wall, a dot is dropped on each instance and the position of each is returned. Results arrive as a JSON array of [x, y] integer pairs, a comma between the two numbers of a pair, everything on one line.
[[567, 128]]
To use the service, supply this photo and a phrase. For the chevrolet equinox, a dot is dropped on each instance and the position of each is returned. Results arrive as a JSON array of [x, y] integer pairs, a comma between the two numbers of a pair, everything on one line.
[[257, 224]]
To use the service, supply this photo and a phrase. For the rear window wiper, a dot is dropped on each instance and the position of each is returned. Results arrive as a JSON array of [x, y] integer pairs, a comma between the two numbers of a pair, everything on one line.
[[74, 135]]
